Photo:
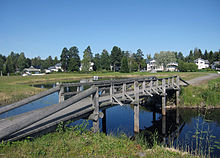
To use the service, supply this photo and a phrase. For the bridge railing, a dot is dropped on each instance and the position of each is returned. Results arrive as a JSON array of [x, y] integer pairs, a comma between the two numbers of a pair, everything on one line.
[[40, 114], [28, 100]]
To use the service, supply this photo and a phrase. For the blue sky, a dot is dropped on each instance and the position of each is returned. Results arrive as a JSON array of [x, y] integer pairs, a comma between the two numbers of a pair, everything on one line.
[[44, 27]]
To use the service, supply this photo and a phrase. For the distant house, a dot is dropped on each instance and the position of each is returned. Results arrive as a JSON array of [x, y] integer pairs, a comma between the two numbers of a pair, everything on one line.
[[201, 63], [216, 65], [90, 68], [31, 70], [55, 68], [172, 67], [152, 66]]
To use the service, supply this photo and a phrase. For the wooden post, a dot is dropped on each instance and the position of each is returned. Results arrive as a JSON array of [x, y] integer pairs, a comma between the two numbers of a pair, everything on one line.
[[96, 111], [163, 98], [123, 90], [177, 91], [168, 82], [164, 129], [143, 86], [111, 92], [78, 89], [136, 108], [150, 84], [1, 73], [177, 116], [172, 81], [61, 94]]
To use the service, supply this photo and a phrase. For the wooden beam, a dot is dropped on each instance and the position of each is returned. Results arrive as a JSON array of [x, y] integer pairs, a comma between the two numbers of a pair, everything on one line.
[[28, 100], [117, 101], [45, 112], [148, 93], [128, 96]]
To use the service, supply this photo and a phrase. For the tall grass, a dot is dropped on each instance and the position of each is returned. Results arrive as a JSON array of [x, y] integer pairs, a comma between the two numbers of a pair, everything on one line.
[[203, 95]]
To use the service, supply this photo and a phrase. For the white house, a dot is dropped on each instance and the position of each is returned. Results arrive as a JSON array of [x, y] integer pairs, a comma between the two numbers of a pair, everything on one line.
[[55, 68], [31, 70], [90, 68], [201, 63], [152, 66], [172, 67], [216, 65]]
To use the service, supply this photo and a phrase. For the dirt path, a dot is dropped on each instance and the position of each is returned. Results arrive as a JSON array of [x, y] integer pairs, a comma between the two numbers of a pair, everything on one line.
[[203, 79]]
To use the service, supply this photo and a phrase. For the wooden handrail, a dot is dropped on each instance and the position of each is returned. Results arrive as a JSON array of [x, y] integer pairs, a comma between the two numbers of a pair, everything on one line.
[[28, 100], [45, 112]]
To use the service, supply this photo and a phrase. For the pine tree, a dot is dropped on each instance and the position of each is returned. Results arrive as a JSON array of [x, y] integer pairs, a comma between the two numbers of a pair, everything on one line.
[[73, 59], [87, 59], [105, 60], [21, 63], [124, 65], [97, 63], [64, 58], [115, 57]]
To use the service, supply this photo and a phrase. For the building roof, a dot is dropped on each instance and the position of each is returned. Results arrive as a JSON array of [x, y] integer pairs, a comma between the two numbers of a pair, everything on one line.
[[32, 69]]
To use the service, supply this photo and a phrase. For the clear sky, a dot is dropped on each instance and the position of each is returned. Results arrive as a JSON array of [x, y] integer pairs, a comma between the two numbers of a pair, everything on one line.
[[45, 27]]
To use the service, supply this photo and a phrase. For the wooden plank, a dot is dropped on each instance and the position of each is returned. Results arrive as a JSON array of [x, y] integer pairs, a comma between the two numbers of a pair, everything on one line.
[[117, 101], [148, 93], [45, 113], [129, 97], [28, 100]]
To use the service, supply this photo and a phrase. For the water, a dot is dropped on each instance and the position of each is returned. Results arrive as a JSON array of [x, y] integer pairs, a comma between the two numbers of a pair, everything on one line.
[[184, 129]]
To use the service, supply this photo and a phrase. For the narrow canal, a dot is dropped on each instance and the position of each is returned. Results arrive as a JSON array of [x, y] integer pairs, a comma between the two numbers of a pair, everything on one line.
[[187, 129]]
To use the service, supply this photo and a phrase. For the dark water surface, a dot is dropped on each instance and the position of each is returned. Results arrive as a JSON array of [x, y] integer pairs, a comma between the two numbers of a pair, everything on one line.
[[184, 128]]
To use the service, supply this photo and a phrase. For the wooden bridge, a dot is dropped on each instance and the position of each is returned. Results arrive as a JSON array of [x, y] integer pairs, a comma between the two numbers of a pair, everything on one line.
[[87, 103]]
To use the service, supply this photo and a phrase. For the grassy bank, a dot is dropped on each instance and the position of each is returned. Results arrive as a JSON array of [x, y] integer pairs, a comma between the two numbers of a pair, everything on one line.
[[205, 95], [82, 143], [15, 88]]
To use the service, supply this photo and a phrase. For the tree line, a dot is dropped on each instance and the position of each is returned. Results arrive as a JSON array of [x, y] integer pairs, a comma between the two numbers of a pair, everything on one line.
[[116, 60]]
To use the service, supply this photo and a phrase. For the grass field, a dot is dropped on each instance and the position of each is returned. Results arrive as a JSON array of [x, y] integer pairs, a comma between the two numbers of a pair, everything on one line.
[[77, 142], [15, 88]]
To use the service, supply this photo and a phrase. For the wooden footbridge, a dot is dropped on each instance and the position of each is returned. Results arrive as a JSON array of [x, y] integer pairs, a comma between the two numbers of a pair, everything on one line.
[[87, 103]]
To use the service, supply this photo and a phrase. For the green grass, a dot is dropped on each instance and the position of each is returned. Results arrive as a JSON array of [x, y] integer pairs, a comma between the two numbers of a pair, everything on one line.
[[207, 94], [82, 143]]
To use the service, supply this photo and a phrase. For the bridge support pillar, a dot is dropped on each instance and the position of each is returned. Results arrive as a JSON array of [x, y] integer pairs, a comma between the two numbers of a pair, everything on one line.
[[164, 129], [177, 98], [136, 107], [123, 90], [95, 99], [111, 92], [61, 94], [163, 98]]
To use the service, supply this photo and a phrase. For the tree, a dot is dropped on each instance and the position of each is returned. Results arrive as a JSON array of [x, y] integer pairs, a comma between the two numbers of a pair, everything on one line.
[[36, 62], [164, 58], [105, 60], [64, 58], [97, 63], [124, 65], [73, 59], [9, 64], [21, 63], [55, 61], [180, 56], [2, 61], [205, 56], [115, 57], [184, 66], [149, 57], [87, 59], [210, 57], [190, 57], [139, 57], [197, 53]]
